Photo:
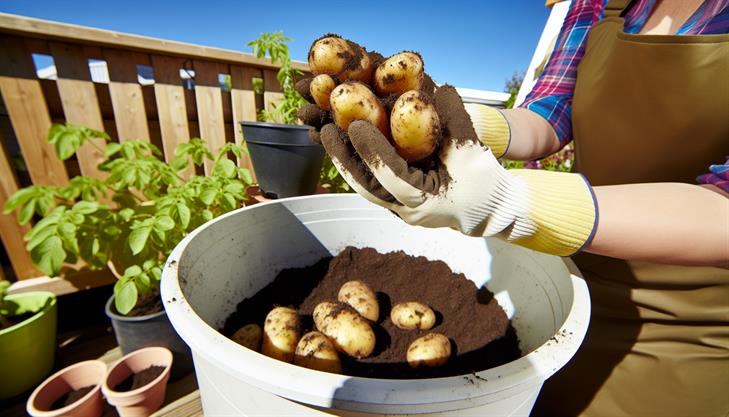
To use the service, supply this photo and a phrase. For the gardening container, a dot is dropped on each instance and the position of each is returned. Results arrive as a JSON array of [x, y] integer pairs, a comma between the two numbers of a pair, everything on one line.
[[142, 401], [74, 377], [27, 348], [237, 254], [286, 161], [133, 333]]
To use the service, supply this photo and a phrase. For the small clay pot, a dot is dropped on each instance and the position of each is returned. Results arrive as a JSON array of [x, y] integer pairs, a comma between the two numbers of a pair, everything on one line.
[[74, 377], [145, 400]]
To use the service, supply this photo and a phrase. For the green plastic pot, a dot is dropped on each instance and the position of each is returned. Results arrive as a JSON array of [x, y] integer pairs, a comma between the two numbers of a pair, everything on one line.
[[27, 349]]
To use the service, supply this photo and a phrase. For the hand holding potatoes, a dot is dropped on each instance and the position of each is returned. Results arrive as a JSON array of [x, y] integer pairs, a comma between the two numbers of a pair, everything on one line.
[[362, 95]]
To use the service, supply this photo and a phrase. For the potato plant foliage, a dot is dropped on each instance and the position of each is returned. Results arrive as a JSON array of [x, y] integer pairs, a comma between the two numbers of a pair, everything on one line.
[[135, 216]]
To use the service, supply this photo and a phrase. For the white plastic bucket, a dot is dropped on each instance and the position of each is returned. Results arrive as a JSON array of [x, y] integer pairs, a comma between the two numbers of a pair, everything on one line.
[[236, 255]]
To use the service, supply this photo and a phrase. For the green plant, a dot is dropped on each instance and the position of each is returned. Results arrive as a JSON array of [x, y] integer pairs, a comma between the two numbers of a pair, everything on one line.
[[275, 46], [134, 217], [5, 308]]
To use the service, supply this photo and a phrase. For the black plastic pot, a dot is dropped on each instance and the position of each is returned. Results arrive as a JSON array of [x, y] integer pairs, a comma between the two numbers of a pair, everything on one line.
[[286, 161], [134, 333]]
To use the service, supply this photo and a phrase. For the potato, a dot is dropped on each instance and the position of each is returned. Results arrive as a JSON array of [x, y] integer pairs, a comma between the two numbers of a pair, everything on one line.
[[321, 88], [316, 351], [349, 331], [340, 58], [361, 298], [281, 332], [412, 315], [398, 74], [431, 350], [248, 336], [355, 101], [415, 126]]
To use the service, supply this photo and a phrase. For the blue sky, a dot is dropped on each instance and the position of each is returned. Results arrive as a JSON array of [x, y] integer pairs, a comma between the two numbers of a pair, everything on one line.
[[473, 44]]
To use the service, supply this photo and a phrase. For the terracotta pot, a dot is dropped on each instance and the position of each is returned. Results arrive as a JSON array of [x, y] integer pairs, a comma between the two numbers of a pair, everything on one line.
[[145, 400], [76, 376]]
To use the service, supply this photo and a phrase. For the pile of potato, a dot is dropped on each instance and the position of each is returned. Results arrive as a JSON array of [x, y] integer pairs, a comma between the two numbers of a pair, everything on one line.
[[344, 326], [349, 84]]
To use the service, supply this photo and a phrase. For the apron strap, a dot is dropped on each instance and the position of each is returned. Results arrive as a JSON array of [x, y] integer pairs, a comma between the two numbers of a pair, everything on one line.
[[615, 8]]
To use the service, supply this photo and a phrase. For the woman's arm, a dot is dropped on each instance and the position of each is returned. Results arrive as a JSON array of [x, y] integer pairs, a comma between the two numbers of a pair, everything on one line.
[[532, 136], [670, 223]]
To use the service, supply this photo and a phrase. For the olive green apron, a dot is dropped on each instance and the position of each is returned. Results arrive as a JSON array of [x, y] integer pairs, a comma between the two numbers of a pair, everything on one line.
[[648, 108]]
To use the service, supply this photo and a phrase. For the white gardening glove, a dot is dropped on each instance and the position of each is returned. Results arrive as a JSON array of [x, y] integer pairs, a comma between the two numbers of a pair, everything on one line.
[[465, 188]]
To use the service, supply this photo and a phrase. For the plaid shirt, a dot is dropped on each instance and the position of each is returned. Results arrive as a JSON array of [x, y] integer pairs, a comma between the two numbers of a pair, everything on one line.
[[551, 96]]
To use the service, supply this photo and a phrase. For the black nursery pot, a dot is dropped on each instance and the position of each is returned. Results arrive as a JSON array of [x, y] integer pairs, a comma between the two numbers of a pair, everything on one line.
[[286, 161]]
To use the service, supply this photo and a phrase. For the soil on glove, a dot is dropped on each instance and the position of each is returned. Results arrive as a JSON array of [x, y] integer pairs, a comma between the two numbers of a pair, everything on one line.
[[71, 397], [480, 333], [139, 379]]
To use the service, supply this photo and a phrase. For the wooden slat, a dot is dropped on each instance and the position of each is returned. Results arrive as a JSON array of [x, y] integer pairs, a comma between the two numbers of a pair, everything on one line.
[[270, 83], [80, 103], [209, 107], [270, 98], [11, 233], [171, 108], [69, 282], [26, 106], [54, 30], [126, 95], [243, 100]]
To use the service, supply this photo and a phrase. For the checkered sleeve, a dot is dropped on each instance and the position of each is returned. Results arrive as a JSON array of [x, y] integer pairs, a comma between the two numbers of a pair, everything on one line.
[[552, 94]]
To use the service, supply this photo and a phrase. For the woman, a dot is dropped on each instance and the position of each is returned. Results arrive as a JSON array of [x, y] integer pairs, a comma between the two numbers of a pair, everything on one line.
[[642, 88]]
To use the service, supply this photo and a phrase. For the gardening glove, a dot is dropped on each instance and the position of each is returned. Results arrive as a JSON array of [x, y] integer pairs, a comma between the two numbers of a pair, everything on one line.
[[466, 188], [491, 127]]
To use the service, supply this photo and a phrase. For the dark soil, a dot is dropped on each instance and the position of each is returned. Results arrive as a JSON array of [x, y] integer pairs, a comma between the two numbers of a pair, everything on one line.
[[140, 379], [480, 333], [71, 397], [9, 321], [148, 304]]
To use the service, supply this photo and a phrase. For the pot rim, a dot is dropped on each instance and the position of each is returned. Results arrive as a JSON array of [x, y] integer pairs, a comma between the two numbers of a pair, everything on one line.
[[276, 125], [114, 316], [110, 392], [444, 393], [30, 406], [37, 314]]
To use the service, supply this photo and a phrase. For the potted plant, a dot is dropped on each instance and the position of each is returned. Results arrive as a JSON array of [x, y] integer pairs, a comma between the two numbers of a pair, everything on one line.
[[27, 339], [286, 161], [130, 222]]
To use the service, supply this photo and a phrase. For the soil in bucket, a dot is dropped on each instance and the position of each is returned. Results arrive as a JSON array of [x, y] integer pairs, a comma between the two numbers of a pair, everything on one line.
[[139, 379], [9, 321], [480, 332]]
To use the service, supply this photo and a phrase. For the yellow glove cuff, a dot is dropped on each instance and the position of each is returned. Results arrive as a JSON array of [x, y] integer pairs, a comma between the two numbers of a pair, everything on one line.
[[563, 211], [491, 127]]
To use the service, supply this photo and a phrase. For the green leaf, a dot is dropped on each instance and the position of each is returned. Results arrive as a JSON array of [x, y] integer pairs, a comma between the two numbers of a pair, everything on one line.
[[245, 175], [132, 271], [26, 213], [67, 231], [143, 283], [112, 148], [207, 215], [207, 196], [18, 198], [49, 256], [164, 223], [39, 236], [235, 188], [85, 207], [183, 215], [126, 213], [225, 168], [230, 203], [126, 297], [138, 238]]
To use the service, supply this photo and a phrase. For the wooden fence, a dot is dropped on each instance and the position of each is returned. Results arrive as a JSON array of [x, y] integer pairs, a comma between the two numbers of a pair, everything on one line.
[[165, 110]]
